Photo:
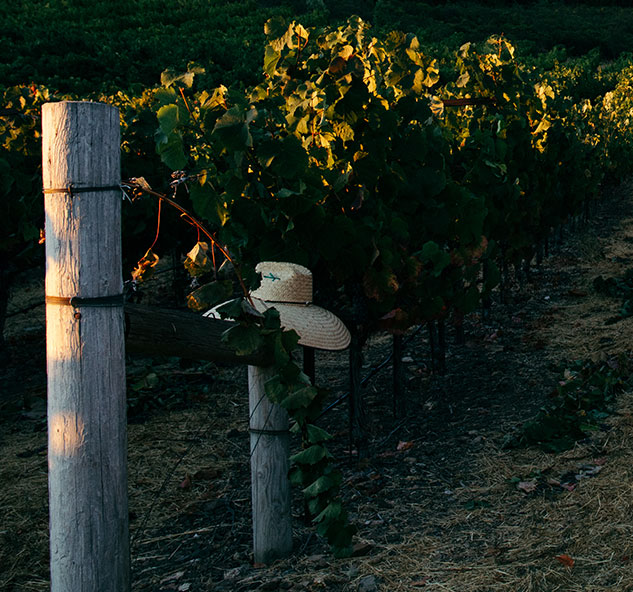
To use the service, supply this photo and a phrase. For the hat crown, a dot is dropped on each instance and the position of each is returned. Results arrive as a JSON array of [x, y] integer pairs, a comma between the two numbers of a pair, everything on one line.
[[284, 282]]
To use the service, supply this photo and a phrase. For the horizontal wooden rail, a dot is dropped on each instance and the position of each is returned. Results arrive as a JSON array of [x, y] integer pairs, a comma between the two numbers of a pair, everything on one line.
[[158, 331]]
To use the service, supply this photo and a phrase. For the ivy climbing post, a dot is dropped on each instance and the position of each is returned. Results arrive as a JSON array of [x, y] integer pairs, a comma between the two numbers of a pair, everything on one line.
[[87, 440]]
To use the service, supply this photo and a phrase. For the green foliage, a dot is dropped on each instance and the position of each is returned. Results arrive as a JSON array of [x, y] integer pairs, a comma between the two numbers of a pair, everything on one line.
[[351, 146], [582, 400], [84, 48], [621, 288], [536, 26], [21, 204], [336, 152]]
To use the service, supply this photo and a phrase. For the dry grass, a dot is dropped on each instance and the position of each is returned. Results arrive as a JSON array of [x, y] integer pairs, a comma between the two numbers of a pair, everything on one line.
[[512, 544], [24, 512]]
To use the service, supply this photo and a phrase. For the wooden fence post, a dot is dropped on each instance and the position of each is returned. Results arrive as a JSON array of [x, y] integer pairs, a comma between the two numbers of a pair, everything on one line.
[[357, 412], [272, 527], [87, 439]]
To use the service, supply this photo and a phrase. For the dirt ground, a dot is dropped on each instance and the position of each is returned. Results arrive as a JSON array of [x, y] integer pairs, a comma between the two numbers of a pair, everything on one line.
[[437, 503]]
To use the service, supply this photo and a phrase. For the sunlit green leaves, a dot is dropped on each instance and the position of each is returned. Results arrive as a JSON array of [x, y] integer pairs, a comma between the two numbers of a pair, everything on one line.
[[169, 118], [171, 77], [271, 59]]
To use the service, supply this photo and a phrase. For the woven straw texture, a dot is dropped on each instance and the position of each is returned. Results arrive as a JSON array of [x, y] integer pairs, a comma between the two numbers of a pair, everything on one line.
[[284, 282], [287, 287]]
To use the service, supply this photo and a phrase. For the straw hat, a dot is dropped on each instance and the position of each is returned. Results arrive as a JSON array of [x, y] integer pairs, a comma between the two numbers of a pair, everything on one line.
[[288, 288]]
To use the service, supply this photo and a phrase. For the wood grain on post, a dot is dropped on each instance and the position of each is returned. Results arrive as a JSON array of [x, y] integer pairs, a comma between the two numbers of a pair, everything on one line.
[[272, 527], [89, 541]]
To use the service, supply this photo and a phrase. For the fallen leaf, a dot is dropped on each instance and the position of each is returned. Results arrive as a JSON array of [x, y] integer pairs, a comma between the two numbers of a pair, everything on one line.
[[404, 446], [566, 560]]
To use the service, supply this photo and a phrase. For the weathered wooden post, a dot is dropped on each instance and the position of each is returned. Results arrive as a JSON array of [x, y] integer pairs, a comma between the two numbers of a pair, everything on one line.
[[272, 528], [89, 542], [287, 287]]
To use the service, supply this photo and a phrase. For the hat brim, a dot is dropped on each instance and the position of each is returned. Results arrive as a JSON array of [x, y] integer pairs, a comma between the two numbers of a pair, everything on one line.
[[316, 327]]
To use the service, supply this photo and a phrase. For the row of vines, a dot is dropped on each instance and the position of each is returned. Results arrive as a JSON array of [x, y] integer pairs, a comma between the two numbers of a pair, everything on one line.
[[404, 181], [396, 178]]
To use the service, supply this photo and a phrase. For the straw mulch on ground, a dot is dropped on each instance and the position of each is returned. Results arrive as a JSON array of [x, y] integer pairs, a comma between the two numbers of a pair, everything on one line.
[[440, 504]]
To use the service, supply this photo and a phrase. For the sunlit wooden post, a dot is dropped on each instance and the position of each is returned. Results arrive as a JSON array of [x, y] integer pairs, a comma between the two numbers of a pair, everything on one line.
[[89, 543], [272, 527]]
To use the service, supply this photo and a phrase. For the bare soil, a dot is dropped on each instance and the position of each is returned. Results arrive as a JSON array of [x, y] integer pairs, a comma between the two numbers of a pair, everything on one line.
[[437, 503]]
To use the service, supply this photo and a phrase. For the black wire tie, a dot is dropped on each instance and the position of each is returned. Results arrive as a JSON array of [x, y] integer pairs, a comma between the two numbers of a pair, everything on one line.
[[72, 190], [97, 302], [268, 432]]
